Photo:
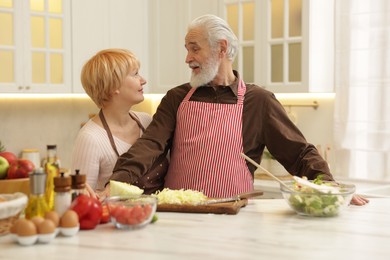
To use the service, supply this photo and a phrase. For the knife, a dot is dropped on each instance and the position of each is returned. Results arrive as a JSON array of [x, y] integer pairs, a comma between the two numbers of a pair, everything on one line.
[[245, 195]]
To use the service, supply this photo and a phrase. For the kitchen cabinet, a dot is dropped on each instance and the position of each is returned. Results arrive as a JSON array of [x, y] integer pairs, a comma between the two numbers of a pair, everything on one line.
[[34, 46], [285, 45], [168, 21], [102, 24]]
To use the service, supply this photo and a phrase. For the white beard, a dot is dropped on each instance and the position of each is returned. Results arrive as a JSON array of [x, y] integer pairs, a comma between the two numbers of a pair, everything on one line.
[[208, 72]]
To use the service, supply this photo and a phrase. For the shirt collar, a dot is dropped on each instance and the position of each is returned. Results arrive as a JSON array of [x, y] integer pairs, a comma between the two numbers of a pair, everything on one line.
[[233, 86]]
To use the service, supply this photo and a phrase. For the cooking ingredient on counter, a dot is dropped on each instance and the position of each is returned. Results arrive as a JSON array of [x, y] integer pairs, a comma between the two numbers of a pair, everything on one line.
[[62, 193], [10, 157], [105, 214], [120, 188], [70, 218], [168, 196], [130, 212], [26, 232], [53, 216], [4, 166], [89, 211], [52, 169], [7, 154], [37, 205], [78, 184], [46, 231], [37, 220], [69, 223], [32, 155], [29, 231], [311, 201], [20, 168]]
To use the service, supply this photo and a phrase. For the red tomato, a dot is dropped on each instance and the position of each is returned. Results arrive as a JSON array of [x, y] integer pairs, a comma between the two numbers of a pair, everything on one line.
[[138, 213], [119, 214], [105, 214], [147, 210], [89, 211]]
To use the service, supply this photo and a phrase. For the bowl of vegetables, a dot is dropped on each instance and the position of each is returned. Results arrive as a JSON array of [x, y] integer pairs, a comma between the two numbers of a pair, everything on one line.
[[131, 211], [317, 198]]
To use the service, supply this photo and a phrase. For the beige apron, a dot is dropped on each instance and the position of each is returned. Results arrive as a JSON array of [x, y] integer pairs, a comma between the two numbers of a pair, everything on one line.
[[206, 149]]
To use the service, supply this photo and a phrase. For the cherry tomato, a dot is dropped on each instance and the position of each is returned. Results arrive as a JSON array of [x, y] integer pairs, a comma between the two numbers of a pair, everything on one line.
[[105, 214]]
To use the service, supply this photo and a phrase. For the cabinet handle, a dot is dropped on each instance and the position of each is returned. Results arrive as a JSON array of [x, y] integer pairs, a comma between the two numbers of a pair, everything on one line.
[[28, 88], [20, 88]]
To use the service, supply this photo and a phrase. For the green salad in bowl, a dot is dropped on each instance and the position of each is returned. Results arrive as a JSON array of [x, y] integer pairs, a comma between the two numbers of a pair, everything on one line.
[[311, 200]]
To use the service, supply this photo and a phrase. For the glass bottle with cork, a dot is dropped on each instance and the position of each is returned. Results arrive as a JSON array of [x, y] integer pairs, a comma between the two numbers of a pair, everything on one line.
[[37, 205], [52, 169], [62, 196], [78, 184]]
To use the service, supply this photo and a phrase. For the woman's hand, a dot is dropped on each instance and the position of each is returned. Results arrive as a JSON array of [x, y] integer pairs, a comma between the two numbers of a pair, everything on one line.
[[104, 194], [90, 191], [359, 200]]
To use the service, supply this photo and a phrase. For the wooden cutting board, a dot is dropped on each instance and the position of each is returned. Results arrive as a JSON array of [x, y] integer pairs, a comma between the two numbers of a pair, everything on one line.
[[231, 208]]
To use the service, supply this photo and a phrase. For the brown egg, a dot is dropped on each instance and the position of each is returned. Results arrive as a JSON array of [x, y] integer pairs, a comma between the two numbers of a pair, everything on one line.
[[13, 229], [53, 216], [26, 227], [37, 220], [69, 219], [46, 227]]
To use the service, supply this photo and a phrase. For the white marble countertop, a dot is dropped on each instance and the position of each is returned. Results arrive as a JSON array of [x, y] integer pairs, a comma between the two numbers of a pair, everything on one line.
[[264, 229]]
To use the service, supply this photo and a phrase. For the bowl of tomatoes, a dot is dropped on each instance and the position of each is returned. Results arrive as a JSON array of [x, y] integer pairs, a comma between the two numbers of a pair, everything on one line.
[[131, 212]]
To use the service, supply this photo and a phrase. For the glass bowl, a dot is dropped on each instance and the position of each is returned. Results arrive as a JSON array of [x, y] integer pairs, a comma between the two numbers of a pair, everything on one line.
[[313, 203], [131, 212]]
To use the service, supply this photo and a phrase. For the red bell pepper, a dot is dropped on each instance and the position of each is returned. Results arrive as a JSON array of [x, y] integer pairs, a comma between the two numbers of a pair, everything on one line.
[[89, 211]]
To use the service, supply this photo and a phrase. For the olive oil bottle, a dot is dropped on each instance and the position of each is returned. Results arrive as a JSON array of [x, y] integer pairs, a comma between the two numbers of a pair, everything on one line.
[[37, 205], [52, 169]]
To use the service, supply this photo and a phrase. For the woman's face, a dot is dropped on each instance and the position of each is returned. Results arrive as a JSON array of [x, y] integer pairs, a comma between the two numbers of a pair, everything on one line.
[[132, 90]]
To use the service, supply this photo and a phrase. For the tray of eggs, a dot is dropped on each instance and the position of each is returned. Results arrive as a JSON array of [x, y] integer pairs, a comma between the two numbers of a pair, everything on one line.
[[40, 229]]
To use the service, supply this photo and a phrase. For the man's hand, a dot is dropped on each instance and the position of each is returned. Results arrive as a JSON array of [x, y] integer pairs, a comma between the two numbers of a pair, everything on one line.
[[359, 200]]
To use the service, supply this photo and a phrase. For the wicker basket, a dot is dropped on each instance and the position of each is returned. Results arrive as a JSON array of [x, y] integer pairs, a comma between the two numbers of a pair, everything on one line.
[[11, 206]]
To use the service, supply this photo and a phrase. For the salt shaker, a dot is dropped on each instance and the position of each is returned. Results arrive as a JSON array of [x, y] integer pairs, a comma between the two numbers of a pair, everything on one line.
[[62, 195]]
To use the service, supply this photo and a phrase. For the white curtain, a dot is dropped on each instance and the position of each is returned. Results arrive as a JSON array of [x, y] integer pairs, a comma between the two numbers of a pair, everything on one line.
[[362, 85]]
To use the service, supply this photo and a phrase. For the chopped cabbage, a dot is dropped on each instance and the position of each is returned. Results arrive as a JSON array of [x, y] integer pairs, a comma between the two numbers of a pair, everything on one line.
[[168, 196], [120, 188]]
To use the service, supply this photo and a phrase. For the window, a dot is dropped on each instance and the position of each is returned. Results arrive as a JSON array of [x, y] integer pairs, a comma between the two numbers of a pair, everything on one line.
[[240, 16]]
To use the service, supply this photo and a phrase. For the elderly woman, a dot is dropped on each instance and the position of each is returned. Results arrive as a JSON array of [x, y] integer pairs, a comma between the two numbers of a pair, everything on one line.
[[111, 79]]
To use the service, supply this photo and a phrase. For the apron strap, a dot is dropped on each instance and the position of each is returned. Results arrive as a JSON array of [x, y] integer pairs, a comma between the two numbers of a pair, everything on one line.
[[109, 134]]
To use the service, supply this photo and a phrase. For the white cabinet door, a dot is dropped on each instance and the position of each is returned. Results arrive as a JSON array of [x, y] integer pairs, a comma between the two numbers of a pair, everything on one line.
[[169, 20], [290, 48], [34, 46], [102, 24]]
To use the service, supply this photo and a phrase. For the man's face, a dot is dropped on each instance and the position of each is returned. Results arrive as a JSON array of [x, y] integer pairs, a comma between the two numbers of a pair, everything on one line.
[[201, 58]]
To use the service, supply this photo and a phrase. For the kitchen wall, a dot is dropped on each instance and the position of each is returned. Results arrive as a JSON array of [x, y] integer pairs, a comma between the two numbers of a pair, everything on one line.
[[27, 122]]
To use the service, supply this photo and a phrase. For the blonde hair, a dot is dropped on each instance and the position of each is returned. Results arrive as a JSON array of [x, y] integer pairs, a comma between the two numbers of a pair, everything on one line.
[[105, 71]]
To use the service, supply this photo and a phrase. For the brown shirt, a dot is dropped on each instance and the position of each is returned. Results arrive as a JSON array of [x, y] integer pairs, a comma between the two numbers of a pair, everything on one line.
[[265, 123]]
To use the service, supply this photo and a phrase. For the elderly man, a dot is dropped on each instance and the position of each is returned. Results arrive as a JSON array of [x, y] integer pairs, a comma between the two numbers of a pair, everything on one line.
[[207, 123]]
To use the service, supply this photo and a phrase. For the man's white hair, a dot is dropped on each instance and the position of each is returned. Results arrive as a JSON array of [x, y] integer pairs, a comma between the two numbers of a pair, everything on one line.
[[217, 30]]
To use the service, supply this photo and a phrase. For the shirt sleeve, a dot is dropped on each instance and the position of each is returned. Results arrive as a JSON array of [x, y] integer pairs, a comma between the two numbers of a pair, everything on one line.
[[155, 142], [288, 145], [85, 157]]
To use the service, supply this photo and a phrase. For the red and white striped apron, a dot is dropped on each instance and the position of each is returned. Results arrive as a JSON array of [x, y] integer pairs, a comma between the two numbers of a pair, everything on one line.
[[206, 149]]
